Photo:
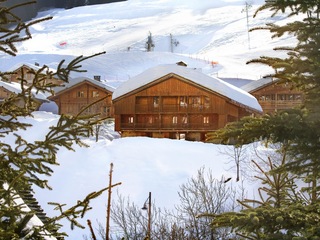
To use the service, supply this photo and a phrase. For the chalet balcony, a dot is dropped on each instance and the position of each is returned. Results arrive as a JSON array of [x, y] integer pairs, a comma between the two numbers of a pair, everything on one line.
[[169, 126], [172, 108], [273, 105]]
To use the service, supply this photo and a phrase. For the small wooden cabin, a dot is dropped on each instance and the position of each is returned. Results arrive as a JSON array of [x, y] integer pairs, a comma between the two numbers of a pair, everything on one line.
[[171, 101], [274, 96], [81, 92], [10, 89], [27, 71]]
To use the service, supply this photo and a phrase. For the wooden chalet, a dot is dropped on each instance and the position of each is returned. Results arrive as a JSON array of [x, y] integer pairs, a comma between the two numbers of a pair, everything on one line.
[[171, 101], [274, 96], [9, 89], [81, 92], [27, 71]]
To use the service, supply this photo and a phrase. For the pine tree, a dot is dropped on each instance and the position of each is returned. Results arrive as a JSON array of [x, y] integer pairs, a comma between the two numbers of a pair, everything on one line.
[[280, 212], [22, 163], [298, 129]]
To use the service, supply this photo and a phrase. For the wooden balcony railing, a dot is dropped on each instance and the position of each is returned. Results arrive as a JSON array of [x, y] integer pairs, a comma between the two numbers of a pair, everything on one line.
[[176, 108], [168, 126], [272, 105]]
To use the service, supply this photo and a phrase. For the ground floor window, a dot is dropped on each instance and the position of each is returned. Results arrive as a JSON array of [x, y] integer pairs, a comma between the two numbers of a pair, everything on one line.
[[174, 119], [184, 120], [130, 119], [206, 120]]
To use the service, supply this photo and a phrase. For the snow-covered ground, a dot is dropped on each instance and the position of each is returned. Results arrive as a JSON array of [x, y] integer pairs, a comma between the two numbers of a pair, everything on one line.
[[206, 31], [141, 164]]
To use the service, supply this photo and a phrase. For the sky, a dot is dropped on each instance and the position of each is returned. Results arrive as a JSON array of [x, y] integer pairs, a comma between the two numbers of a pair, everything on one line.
[[206, 31]]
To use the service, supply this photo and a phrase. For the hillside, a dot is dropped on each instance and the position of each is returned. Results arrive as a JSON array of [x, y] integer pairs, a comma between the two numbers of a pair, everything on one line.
[[205, 32]]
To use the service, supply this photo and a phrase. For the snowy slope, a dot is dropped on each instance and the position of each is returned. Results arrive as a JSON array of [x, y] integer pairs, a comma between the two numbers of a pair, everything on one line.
[[206, 31], [141, 164]]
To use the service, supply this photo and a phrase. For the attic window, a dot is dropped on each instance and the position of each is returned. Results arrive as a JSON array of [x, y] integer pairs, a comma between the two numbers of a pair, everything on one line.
[[183, 101], [80, 94], [155, 101], [95, 94]]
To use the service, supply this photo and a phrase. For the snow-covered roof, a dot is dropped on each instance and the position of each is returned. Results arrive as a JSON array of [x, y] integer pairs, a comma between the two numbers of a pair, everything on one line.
[[238, 82], [74, 81], [28, 65], [16, 88], [12, 87], [193, 75], [254, 85]]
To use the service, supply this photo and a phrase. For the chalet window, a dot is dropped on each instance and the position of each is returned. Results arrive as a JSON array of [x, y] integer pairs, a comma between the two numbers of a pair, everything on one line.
[[184, 120], [289, 97], [29, 77], [206, 102], [95, 94], [183, 101], [292, 97], [80, 94], [156, 101], [106, 110], [282, 97], [130, 119], [297, 97], [195, 101], [206, 120], [150, 120], [174, 119], [270, 97]]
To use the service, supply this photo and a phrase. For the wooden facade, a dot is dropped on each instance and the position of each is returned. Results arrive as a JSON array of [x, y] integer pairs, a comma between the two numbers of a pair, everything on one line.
[[175, 107], [80, 93], [274, 96], [13, 89]]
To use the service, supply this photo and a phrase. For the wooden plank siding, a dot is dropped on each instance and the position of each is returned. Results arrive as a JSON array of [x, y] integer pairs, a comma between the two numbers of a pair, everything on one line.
[[278, 96], [72, 100], [171, 107], [19, 102], [4, 93]]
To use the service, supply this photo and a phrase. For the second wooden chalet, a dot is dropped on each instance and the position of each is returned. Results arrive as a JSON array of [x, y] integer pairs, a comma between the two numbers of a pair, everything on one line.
[[27, 72], [81, 92], [171, 101], [274, 96], [14, 89]]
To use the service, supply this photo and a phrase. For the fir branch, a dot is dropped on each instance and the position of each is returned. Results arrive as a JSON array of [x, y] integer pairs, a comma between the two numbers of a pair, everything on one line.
[[64, 72], [78, 210]]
